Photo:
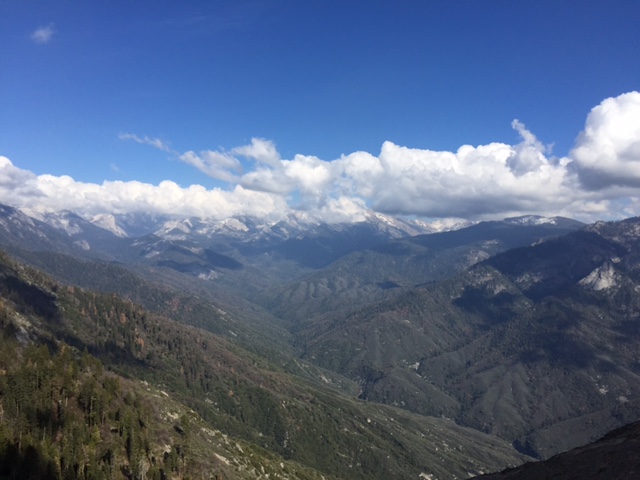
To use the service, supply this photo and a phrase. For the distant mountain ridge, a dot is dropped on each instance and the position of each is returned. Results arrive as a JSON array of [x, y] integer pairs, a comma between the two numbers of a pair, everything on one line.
[[290, 237], [119, 235], [250, 229]]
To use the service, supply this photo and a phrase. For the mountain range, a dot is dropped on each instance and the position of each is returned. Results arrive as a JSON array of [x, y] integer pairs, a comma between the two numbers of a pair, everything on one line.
[[440, 353]]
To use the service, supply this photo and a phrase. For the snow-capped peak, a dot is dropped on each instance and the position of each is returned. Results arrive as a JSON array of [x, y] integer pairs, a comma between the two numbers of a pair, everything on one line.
[[531, 220], [234, 224], [108, 222]]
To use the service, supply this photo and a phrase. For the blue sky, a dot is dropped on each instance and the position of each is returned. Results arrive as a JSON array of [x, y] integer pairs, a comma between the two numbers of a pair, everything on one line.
[[88, 88]]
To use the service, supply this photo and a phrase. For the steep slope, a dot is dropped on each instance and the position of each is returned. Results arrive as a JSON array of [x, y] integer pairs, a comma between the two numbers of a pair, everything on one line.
[[183, 299], [258, 418], [538, 345], [20, 230], [68, 418], [616, 455]]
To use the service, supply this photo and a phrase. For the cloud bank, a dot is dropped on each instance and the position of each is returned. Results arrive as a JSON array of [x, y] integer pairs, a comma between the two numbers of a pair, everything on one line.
[[599, 179]]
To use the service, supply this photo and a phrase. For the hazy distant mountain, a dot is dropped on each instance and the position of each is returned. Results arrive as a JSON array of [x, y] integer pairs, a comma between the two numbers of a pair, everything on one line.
[[247, 229], [21, 230], [249, 255], [243, 253], [298, 238], [294, 226]]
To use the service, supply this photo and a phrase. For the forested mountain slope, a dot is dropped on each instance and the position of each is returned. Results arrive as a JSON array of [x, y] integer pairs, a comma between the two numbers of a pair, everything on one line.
[[380, 271], [153, 398], [538, 345]]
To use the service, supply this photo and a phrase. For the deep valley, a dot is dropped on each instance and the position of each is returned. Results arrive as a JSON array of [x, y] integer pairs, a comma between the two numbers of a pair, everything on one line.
[[187, 348]]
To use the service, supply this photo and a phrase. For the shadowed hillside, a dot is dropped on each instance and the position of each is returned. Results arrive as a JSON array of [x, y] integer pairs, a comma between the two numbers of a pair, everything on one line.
[[616, 455]]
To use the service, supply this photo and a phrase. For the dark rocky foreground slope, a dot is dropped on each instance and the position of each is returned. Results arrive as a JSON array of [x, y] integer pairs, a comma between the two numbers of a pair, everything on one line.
[[615, 456]]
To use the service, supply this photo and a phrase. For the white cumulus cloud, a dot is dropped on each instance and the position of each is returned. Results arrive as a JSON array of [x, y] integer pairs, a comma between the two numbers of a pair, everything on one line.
[[599, 179], [607, 152], [22, 188]]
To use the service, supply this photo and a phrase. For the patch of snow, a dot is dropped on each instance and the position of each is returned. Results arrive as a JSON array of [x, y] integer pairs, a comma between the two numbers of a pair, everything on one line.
[[180, 225], [64, 221], [108, 222], [531, 220], [37, 213], [449, 224], [529, 279], [234, 224], [210, 275], [83, 244]]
